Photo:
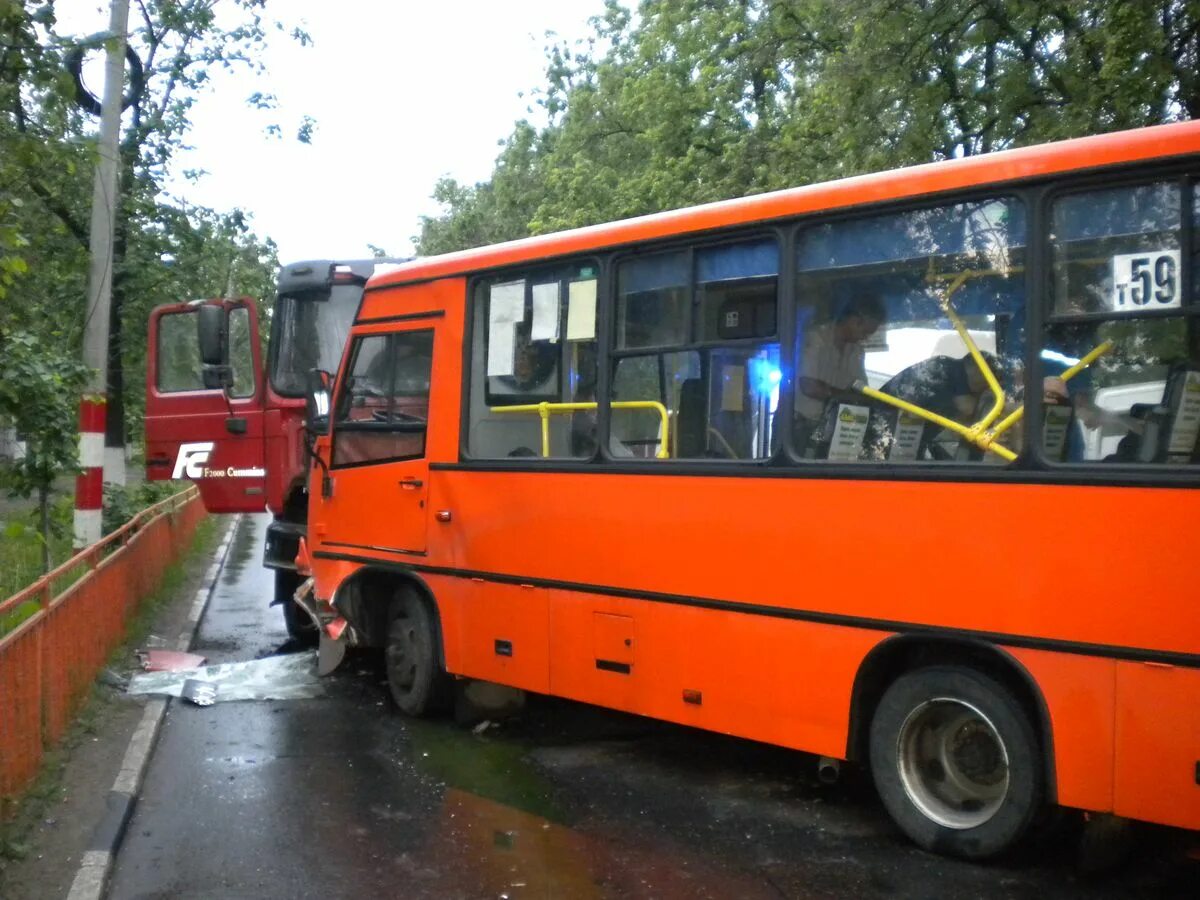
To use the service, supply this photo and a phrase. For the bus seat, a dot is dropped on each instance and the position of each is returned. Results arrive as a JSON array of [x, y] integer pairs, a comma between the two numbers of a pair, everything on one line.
[[1159, 422]]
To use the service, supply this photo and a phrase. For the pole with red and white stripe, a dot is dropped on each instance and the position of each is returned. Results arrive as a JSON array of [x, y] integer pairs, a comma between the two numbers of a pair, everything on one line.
[[89, 486]]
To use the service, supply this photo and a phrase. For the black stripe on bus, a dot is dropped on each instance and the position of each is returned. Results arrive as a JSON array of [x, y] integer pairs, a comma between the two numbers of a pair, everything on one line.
[[1150, 475], [1079, 648]]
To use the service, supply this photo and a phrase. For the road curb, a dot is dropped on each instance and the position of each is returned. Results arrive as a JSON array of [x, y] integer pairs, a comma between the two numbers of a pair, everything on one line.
[[94, 869]]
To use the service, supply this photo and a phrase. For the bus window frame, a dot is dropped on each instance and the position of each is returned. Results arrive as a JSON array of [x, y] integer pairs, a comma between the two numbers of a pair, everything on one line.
[[690, 243], [342, 385], [961, 470], [529, 272], [1186, 176], [1030, 468]]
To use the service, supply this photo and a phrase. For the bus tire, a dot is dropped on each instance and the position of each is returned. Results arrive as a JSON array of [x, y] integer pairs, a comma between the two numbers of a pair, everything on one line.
[[419, 685], [956, 762], [300, 627]]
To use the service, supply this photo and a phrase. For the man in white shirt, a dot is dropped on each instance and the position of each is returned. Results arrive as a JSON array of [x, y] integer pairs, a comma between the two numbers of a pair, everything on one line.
[[832, 360]]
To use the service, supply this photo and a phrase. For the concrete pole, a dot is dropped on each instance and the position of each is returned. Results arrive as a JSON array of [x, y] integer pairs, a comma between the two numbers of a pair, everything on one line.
[[89, 487]]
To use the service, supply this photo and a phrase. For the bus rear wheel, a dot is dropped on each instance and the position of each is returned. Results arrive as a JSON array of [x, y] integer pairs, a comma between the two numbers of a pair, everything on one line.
[[956, 762], [418, 684]]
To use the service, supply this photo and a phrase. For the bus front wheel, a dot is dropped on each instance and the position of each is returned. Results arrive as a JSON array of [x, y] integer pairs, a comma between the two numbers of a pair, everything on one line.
[[956, 761], [415, 676]]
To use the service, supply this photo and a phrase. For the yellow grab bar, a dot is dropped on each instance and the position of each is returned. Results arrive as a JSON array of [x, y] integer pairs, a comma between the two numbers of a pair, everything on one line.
[[977, 433], [1015, 416], [965, 431], [546, 410]]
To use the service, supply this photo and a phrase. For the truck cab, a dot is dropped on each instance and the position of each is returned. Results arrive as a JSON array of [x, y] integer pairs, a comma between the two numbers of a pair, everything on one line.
[[227, 414]]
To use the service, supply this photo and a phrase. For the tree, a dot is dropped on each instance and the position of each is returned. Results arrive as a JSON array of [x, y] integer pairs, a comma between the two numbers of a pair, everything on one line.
[[46, 155], [39, 394], [687, 101]]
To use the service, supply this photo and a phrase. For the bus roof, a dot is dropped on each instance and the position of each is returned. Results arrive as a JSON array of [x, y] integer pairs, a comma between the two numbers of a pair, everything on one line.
[[1116, 148]]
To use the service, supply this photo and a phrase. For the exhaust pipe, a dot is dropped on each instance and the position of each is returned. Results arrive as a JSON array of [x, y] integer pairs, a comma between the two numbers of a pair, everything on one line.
[[828, 770]]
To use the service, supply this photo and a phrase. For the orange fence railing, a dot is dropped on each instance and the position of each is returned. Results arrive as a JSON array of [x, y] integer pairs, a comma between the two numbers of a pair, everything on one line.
[[49, 661]]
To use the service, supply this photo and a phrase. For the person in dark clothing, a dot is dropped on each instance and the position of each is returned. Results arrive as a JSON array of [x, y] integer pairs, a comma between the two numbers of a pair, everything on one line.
[[949, 387]]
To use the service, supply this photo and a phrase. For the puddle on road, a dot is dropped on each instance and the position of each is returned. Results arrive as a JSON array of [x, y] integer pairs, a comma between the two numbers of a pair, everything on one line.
[[501, 829], [290, 677]]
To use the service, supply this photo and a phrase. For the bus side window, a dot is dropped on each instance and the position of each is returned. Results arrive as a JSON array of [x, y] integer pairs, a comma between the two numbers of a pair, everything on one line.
[[696, 372], [1116, 277], [872, 295], [533, 343]]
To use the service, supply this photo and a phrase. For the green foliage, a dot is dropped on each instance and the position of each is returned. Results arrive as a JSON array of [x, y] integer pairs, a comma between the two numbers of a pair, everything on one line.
[[122, 503], [39, 395], [688, 101], [165, 251]]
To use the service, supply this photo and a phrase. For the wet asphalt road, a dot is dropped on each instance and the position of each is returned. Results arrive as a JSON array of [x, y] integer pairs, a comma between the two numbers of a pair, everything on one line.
[[342, 797]]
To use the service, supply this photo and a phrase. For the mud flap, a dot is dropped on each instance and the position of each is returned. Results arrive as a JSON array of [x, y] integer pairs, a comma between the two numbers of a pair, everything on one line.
[[332, 650]]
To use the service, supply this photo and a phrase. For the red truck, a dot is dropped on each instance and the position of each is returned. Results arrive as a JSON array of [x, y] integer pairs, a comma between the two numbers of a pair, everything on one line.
[[219, 415]]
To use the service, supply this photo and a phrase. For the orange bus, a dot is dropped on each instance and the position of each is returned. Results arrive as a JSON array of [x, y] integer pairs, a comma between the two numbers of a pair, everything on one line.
[[898, 469]]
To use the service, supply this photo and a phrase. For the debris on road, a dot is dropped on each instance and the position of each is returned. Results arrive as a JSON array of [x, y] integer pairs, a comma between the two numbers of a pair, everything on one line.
[[202, 693], [289, 677], [169, 660]]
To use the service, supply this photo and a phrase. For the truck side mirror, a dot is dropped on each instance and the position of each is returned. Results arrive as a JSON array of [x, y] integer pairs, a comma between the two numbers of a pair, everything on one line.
[[317, 396], [213, 334]]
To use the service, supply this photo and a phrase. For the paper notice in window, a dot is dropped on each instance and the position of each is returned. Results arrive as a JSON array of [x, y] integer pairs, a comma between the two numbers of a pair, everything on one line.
[[581, 310], [848, 432], [506, 307], [1187, 420], [507, 302], [733, 389], [500, 348], [545, 312], [1054, 431], [907, 440]]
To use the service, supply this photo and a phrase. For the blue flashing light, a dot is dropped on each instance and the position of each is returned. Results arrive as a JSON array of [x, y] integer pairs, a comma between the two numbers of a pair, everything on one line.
[[765, 375]]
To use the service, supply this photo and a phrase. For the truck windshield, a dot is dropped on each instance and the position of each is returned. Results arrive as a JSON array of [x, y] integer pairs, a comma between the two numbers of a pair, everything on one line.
[[310, 334]]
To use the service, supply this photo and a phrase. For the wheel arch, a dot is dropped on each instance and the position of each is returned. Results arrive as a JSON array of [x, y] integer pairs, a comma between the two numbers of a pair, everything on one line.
[[901, 653], [365, 600]]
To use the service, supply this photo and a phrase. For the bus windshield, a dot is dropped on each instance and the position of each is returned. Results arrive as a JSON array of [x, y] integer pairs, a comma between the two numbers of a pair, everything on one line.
[[310, 334]]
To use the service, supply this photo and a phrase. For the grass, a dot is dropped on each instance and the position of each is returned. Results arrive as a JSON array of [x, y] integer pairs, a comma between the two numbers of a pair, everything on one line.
[[19, 816], [21, 540], [14, 617]]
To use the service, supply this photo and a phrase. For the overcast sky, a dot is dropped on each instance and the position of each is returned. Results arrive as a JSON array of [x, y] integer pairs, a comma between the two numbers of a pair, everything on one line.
[[403, 93]]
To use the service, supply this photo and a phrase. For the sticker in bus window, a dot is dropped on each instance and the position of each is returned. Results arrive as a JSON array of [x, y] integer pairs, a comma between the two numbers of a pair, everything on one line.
[[1187, 419], [848, 432], [1147, 280], [1054, 430], [907, 441], [581, 310], [733, 389], [545, 312]]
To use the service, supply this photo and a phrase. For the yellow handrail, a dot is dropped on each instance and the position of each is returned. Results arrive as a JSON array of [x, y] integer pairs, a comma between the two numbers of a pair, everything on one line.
[[984, 440], [545, 410], [979, 433], [1015, 416]]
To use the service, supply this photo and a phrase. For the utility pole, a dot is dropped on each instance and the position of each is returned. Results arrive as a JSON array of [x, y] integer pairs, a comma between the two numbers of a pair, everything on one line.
[[89, 486]]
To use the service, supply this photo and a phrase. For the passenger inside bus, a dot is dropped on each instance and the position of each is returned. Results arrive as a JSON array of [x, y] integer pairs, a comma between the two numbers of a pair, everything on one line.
[[832, 361], [947, 386]]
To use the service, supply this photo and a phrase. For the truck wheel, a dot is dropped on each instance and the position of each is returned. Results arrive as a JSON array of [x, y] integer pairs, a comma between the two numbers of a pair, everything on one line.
[[956, 762], [300, 627], [415, 676]]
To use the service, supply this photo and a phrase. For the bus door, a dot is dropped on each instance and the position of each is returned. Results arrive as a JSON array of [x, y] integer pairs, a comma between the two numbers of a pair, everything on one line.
[[379, 469], [204, 419]]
